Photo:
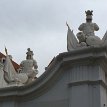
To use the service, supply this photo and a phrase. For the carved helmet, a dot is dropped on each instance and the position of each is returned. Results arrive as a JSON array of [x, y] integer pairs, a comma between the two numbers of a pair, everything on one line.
[[89, 14]]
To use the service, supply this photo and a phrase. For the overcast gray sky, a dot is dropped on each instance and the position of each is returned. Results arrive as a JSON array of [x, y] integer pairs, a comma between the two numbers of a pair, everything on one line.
[[40, 25]]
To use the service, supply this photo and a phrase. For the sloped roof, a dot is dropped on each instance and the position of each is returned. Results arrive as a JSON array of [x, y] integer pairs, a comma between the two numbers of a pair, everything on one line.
[[16, 66]]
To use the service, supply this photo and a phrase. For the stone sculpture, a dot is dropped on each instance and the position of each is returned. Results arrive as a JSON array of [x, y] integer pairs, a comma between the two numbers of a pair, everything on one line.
[[29, 66], [26, 74], [89, 27], [86, 36], [10, 76]]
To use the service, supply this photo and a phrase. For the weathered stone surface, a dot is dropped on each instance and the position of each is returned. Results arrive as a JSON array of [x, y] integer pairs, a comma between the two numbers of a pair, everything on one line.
[[93, 41]]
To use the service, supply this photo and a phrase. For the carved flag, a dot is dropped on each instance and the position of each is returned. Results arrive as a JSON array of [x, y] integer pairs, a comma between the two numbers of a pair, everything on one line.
[[9, 70], [71, 40]]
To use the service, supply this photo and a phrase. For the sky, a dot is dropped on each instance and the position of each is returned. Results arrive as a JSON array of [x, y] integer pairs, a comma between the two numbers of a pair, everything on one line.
[[41, 26]]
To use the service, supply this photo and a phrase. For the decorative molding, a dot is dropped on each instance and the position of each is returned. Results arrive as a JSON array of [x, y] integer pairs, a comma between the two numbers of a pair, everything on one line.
[[97, 82]]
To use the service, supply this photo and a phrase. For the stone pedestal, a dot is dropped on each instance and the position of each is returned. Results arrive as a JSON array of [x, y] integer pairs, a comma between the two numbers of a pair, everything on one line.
[[88, 86], [88, 79], [73, 79]]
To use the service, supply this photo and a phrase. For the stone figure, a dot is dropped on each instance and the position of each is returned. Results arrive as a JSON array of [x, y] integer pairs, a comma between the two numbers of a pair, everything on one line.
[[29, 66], [26, 73], [86, 36], [89, 27]]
